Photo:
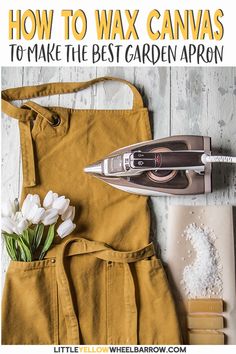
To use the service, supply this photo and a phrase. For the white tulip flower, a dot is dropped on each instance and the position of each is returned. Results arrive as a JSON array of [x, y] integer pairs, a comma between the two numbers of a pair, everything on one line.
[[21, 223], [50, 217], [61, 204], [29, 220], [21, 226], [36, 215], [66, 228], [26, 205], [69, 213], [8, 225], [49, 199], [8, 208], [14, 224], [30, 201]]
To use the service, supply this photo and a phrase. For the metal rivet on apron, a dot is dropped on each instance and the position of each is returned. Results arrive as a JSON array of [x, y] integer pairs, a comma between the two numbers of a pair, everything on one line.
[[53, 260]]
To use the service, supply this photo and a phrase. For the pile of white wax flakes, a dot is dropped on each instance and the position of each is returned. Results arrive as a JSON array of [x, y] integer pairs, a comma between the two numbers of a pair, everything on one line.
[[202, 278]]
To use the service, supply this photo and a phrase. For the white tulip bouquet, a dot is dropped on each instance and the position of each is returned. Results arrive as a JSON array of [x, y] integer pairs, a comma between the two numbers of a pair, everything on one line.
[[29, 232]]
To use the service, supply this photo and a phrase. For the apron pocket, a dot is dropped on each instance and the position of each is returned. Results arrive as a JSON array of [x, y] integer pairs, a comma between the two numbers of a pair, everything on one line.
[[29, 305], [157, 322]]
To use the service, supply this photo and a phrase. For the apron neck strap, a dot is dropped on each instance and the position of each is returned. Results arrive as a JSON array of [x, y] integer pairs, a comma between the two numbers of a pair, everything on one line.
[[28, 92]]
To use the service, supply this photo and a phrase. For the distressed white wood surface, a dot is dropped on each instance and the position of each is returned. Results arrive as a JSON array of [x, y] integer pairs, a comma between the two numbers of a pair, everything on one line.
[[180, 101]]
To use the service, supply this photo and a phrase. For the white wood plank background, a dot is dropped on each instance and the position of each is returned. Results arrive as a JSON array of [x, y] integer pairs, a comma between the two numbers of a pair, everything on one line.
[[180, 101]]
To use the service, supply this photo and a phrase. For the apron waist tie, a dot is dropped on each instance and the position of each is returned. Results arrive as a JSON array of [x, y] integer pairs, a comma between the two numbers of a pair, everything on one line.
[[77, 246], [28, 158]]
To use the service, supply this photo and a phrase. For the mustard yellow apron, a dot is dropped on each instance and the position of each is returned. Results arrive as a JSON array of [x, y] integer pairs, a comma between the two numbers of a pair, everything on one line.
[[103, 284]]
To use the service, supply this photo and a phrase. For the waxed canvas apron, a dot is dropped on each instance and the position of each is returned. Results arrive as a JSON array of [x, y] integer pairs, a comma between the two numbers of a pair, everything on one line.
[[103, 285]]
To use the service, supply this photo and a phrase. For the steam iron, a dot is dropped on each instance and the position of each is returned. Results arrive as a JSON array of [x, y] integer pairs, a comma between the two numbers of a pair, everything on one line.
[[177, 165]]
